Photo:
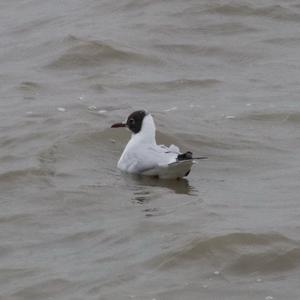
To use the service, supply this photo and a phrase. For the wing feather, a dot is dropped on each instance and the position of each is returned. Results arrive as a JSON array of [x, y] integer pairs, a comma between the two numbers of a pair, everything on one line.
[[147, 157]]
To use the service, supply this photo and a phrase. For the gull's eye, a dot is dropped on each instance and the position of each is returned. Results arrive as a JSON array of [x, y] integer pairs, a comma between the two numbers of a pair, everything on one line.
[[131, 121]]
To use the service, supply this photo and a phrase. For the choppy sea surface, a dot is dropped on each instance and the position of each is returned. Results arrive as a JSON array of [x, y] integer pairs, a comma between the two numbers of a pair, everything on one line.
[[221, 78]]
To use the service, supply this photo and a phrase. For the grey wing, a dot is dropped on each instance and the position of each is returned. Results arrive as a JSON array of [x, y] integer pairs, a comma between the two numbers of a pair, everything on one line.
[[171, 149]]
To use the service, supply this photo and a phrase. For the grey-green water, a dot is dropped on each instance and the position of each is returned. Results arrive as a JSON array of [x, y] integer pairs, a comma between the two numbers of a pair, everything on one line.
[[221, 79]]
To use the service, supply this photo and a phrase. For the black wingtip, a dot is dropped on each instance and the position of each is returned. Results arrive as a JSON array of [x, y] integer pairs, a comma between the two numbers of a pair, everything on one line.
[[185, 156]]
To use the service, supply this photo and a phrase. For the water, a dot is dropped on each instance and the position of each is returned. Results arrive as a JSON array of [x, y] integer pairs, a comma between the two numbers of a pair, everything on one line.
[[221, 79]]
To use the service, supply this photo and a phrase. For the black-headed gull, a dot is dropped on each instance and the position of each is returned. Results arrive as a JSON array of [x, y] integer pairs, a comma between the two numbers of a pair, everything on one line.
[[143, 156]]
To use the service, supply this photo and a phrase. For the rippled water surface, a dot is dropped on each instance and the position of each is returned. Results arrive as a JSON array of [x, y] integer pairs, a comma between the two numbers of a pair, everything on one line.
[[222, 79]]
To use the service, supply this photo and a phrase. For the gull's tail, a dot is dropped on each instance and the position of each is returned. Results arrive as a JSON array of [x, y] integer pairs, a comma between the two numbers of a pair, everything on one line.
[[188, 156]]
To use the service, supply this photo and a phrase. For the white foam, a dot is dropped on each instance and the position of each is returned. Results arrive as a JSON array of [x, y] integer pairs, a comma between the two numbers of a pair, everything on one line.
[[102, 111], [171, 109]]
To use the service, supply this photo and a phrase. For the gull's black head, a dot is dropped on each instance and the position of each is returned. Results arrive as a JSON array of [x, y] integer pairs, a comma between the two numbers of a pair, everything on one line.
[[135, 120]]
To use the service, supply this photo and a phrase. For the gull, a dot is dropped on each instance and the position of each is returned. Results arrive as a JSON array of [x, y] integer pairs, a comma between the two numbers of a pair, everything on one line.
[[143, 156]]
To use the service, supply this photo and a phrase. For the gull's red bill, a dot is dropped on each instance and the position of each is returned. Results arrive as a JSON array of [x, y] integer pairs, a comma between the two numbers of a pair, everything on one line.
[[117, 125]]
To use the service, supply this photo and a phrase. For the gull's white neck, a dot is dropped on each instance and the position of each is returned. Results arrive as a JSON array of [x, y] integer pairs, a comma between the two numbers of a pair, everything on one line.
[[147, 132]]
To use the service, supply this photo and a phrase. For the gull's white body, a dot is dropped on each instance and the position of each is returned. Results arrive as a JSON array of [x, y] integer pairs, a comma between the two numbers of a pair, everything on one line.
[[143, 156]]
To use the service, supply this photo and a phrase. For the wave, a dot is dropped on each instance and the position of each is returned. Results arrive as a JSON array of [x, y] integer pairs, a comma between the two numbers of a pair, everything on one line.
[[11, 176], [138, 5], [166, 86], [287, 41], [45, 289], [272, 11], [84, 53], [280, 117], [20, 218], [80, 236], [188, 49], [267, 262], [227, 28], [230, 55], [30, 86], [236, 253]]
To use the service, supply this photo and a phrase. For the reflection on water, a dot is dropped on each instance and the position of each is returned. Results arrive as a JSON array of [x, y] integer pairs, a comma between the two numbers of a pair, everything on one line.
[[181, 186], [159, 197]]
